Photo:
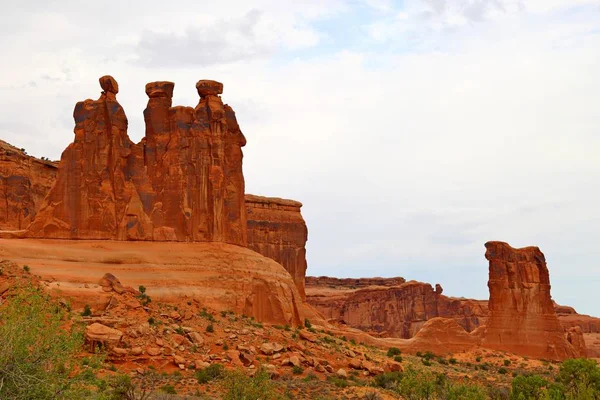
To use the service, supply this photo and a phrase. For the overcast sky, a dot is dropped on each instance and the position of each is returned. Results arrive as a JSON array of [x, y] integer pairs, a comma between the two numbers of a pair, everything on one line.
[[413, 131]]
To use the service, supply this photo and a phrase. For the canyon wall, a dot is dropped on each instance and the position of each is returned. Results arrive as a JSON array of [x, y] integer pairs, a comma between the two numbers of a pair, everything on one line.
[[182, 182], [522, 318], [277, 230], [390, 307], [24, 182]]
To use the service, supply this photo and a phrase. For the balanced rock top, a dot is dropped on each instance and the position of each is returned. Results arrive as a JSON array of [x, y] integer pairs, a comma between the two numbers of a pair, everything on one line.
[[109, 84], [207, 87], [160, 89]]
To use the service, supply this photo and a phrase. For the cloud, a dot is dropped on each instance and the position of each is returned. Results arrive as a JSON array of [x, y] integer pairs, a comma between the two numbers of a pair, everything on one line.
[[249, 37], [444, 125]]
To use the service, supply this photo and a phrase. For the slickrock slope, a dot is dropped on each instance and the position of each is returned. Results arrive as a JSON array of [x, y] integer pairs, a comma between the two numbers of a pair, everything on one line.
[[183, 182], [389, 307], [217, 275], [24, 182], [277, 230], [522, 319]]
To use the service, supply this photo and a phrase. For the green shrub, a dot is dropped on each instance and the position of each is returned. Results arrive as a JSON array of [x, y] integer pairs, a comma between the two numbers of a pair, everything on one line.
[[387, 380], [142, 289], [26, 268], [38, 356], [452, 360], [528, 387], [238, 386], [296, 370], [502, 371], [337, 381], [87, 311], [465, 392], [307, 323], [210, 328], [478, 359], [506, 363], [393, 351], [426, 362], [398, 359], [169, 389], [442, 361], [210, 373], [580, 378]]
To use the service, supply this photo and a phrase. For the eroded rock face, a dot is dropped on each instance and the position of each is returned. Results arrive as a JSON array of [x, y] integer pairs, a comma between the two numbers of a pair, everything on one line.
[[277, 230], [182, 182], [522, 319], [24, 182], [389, 307]]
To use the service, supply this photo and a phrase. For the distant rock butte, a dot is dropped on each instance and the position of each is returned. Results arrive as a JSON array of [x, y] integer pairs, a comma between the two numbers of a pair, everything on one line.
[[24, 182], [182, 182], [277, 230], [522, 318]]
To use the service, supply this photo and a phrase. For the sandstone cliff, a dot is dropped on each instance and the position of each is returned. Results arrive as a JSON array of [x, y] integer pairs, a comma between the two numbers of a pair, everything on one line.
[[182, 182], [277, 230], [24, 182], [389, 307], [522, 319]]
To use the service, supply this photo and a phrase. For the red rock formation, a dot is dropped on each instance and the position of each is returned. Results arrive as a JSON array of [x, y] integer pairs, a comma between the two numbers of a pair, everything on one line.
[[183, 182], [389, 307], [352, 283], [24, 182], [522, 319], [277, 230]]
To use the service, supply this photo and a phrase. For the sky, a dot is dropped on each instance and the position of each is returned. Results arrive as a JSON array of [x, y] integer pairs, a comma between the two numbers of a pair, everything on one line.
[[412, 131]]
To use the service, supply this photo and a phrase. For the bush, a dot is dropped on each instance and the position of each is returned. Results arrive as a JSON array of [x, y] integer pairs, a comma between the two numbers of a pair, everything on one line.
[[142, 289], [502, 371], [393, 351], [210, 328], [528, 387], [387, 380], [38, 356], [296, 370], [26, 268], [506, 363], [238, 386], [122, 387], [465, 392], [210, 373], [426, 362], [337, 381], [580, 378], [169, 389], [307, 323], [452, 360], [398, 359], [87, 311]]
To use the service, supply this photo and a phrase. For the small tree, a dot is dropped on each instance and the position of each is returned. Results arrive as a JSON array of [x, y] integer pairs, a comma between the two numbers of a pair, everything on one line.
[[38, 354], [580, 378]]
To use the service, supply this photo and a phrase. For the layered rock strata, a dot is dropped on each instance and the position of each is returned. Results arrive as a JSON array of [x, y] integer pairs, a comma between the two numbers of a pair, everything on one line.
[[277, 230], [522, 318], [182, 182], [24, 182]]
